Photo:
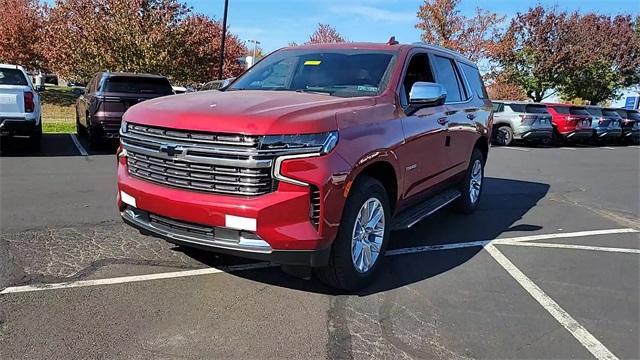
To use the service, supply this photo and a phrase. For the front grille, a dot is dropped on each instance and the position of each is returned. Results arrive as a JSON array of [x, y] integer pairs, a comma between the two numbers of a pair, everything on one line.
[[315, 206], [182, 227], [215, 163]]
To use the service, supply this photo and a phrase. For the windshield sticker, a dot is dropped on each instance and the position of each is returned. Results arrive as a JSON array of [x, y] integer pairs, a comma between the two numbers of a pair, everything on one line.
[[367, 88], [312, 62]]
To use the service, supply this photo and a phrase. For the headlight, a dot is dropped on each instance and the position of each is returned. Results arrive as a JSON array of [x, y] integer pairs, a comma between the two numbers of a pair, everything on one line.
[[322, 143], [123, 127]]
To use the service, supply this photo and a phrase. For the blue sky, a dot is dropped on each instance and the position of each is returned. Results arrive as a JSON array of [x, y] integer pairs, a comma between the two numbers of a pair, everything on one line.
[[277, 22]]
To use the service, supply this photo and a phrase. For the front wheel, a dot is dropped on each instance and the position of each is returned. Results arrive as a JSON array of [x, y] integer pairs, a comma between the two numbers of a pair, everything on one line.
[[362, 238], [471, 184], [503, 136]]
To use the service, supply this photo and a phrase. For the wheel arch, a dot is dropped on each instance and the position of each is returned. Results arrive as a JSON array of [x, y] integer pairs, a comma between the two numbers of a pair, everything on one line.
[[385, 172]]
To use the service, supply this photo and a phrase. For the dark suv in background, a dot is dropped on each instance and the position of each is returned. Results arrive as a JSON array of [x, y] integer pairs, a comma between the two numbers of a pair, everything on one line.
[[108, 95], [605, 124], [630, 124]]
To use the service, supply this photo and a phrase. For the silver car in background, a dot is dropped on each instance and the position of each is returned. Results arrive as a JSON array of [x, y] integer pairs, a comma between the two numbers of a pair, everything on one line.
[[519, 120], [606, 124]]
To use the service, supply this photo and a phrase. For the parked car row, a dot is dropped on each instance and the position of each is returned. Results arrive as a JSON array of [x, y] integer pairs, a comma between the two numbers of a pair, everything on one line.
[[562, 123]]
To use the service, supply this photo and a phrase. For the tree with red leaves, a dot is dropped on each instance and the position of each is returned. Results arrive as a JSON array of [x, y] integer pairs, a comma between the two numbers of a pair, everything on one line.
[[499, 88], [442, 24], [20, 32], [145, 36], [325, 34]]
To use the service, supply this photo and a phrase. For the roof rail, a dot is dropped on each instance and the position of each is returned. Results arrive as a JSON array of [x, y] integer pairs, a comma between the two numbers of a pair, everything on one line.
[[438, 47]]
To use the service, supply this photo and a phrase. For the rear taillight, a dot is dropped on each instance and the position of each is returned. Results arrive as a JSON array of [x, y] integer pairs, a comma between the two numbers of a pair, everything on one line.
[[29, 105], [526, 118]]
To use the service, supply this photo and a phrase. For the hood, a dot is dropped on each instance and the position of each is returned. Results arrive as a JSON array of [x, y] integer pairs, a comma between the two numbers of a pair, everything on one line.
[[245, 112]]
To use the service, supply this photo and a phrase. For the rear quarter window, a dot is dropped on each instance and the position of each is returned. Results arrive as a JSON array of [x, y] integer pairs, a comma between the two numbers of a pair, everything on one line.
[[12, 77], [578, 111], [475, 80], [633, 114], [609, 112], [594, 111]]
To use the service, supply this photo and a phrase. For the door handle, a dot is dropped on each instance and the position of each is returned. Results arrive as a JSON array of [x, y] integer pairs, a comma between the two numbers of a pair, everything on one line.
[[471, 116], [443, 121]]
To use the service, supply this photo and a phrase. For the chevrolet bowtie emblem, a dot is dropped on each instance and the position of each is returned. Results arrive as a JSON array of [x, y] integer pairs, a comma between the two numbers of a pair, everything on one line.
[[171, 150]]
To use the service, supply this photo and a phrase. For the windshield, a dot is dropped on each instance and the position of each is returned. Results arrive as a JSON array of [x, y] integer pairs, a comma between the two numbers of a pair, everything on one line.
[[344, 73], [138, 85], [12, 77]]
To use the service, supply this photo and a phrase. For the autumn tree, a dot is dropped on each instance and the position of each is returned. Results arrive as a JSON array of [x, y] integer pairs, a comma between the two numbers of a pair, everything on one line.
[[442, 24], [20, 32], [532, 53], [605, 57], [325, 34], [499, 88], [152, 36]]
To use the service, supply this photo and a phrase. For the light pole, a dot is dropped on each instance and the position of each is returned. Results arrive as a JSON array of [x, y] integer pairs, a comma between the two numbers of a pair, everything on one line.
[[224, 36], [255, 49]]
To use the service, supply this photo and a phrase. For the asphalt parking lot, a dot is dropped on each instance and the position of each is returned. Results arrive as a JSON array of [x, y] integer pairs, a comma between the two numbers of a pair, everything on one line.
[[548, 267]]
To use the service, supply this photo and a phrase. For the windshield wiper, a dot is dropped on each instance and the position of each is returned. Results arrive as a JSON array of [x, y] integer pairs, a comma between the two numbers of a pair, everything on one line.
[[316, 91]]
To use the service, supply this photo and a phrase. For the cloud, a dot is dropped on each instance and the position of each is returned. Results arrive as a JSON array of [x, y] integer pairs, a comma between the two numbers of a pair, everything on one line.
[[374, 13]]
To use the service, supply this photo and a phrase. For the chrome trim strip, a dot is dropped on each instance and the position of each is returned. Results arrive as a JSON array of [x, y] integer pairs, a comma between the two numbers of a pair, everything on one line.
[[246, 245], [246, 163], [434, 210]]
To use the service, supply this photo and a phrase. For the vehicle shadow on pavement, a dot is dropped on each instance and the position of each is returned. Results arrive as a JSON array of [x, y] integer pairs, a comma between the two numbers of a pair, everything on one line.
[[504, 202]]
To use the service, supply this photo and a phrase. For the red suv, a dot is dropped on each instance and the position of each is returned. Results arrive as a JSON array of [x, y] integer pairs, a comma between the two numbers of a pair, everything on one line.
[[311, 157], [570, 123]]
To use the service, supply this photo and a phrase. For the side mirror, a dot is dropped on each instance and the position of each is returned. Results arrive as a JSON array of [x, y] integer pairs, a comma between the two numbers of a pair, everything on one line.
[[39, 88], [425, 94]]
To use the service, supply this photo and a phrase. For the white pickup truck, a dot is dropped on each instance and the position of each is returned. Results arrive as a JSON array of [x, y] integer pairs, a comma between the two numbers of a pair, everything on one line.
[[19, 105]]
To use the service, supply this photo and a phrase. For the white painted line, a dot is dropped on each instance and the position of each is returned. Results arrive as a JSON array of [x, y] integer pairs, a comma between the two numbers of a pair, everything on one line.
[[567, 148], [514, 148], [136, 278], [426, 248], [634, 146], [566, 235], [575, 247], [607, 148], [75, 140], [595, 347], [187, 273]]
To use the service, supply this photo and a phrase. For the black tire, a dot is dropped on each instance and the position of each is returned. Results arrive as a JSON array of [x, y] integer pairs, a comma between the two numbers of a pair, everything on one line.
[[341, 272], [503, 135], [96, 142], [557, 137], [35, 139], [465, 204], [80, 130]]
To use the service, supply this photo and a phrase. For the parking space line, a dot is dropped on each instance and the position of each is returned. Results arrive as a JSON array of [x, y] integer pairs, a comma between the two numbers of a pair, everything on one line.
[[567, 148], [576, 247], [136, 278], [514, 148], [76, 142], [595, 347], [607, 147], [566, 235], [395, 252]]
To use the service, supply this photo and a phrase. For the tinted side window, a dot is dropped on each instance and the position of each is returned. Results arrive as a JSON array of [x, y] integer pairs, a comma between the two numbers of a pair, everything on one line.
[[475, 80], [498, 107], [609, 112], [564, 110], [418, 70], [595, 111], [12, 77], [578, 111], [449, 78]]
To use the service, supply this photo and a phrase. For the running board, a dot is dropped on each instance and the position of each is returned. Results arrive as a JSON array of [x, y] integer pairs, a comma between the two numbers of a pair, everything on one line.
[[413, 215]]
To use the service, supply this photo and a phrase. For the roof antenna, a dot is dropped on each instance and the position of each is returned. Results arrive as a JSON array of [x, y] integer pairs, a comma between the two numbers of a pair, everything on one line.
[[392, 41]]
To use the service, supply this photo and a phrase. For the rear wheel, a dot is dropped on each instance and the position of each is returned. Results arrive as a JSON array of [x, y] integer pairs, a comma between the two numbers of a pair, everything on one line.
[[362, 238], [80, 130], [504, 136], [471, 184]]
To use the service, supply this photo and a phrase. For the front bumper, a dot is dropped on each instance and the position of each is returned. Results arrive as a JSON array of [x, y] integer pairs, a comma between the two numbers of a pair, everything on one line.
[[222, 240], [279, 221], [10, 127]]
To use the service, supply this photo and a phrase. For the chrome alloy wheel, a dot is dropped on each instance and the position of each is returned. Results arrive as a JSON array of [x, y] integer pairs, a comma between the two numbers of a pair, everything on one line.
[[475, 183], [367, 235]]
